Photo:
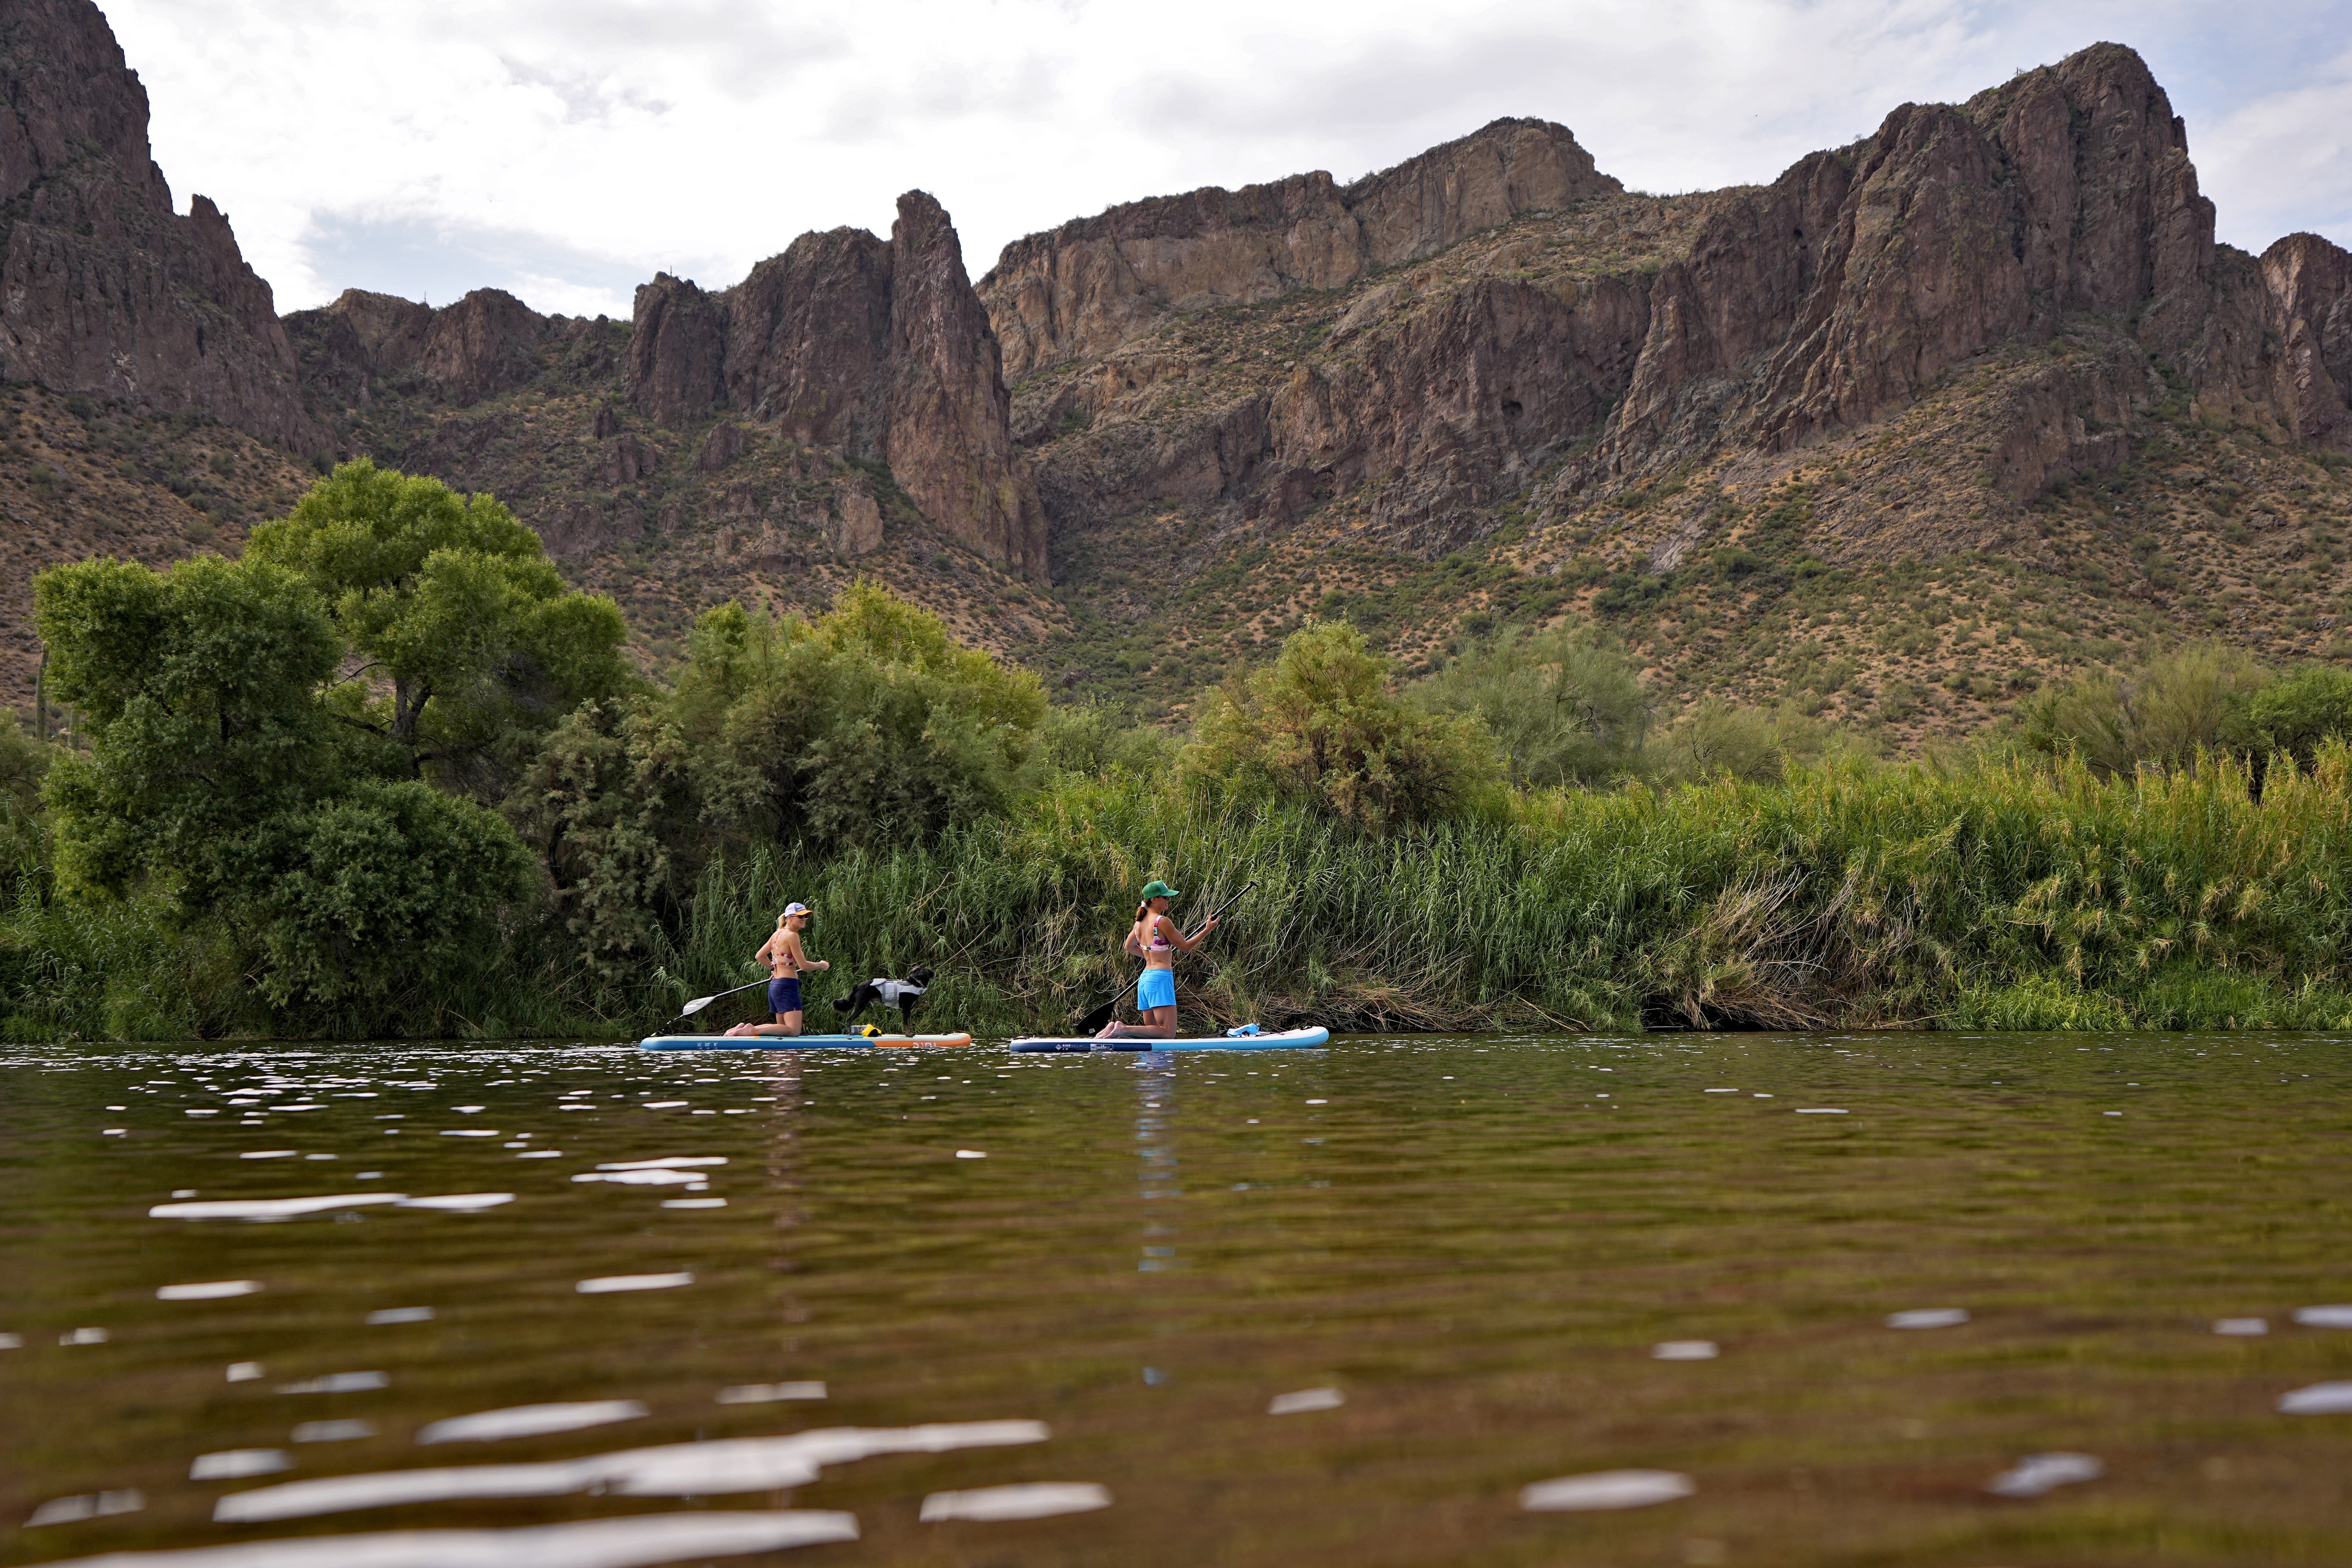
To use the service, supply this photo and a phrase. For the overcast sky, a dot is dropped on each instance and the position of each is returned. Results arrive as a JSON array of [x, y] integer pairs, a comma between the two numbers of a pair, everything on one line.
[[566, 149]]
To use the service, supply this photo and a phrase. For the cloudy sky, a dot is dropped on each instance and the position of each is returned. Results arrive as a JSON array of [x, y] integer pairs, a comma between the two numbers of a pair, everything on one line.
[[567, 149]]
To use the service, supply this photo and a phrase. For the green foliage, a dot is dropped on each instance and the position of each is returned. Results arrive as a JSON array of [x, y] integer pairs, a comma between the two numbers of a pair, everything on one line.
[[614, 803], [1564, 705], [460, 630], [380, 890], [1091, 740], [218, 789], [198, 690], [2187, 703], [1713, 740], [2298, 711], [869, 726], [24, 836], [1319, 725], [2027, 896]]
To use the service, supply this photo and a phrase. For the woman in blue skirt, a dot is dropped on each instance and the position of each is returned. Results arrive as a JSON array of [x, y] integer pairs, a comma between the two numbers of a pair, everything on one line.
[[1154, 939]]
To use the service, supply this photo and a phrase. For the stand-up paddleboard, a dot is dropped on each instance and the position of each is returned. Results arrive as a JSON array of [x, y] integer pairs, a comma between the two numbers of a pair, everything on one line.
[[1272, 1041], [795, 1042]]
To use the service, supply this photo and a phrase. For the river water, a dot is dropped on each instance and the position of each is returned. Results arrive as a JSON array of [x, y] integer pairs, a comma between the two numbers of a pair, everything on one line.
[[1829, 1300]]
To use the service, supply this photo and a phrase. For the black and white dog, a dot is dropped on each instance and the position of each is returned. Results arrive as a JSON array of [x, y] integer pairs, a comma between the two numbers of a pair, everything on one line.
[[901, 993]]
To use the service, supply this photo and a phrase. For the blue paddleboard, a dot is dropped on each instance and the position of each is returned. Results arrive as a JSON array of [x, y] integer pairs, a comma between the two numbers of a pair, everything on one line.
[[1272, 1041]]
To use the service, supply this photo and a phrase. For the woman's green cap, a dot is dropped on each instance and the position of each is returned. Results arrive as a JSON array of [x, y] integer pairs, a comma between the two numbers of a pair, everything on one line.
[[1160, 890]]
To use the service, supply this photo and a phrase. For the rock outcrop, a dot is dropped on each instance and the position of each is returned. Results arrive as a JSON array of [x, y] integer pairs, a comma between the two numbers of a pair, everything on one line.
[[1860, 275], [879, 348], [477, 348], [2307, 285], [103, 288], [677, 348], [1092, 284]]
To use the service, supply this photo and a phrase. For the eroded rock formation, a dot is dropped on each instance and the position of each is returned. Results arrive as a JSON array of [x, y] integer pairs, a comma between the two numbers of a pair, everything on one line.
[[1094, 283], [103, 288], [879, 348]]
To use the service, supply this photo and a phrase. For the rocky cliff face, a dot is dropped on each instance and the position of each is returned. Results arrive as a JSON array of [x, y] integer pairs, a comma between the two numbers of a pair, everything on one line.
[[1605, 338], [104, 290], [1092, 284], [877, 348]]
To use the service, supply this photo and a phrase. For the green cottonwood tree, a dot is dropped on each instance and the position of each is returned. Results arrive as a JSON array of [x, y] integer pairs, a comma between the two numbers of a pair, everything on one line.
[[216, 778], [1320, 725], [460, 633], [1564, 705]]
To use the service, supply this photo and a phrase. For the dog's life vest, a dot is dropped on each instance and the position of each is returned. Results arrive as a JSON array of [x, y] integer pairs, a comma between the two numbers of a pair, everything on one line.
[[890, 993]]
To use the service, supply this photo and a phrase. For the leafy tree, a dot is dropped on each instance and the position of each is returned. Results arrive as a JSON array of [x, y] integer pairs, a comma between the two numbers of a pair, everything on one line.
[[217, 782], [459, 632], [1563, 705], [2297, 711], [870, 724], [24, 763], [384, 888], [198, 690], [2191, 700], [614, 803], [1714, 740], [1320, 725]]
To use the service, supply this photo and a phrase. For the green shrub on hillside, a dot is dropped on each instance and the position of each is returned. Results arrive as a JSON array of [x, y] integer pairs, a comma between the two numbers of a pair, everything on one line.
[[1564, 705], [2187, 703], [2298, 711], [1320, 725]]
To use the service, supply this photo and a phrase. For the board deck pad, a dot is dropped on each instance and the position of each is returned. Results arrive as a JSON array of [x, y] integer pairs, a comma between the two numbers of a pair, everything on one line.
[[796, 1042], [1272, 1041]]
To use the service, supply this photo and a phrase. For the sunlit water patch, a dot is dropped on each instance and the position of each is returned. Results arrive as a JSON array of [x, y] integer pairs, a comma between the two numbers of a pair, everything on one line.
[[1572, 1300]]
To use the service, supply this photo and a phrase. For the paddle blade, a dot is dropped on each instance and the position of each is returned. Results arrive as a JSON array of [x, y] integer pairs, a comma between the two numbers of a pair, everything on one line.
[[1093, 1022], [696, 1005]]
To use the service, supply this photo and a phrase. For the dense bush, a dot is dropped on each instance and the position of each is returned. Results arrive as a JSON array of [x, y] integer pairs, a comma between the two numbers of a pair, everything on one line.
[[461, 641], [219, 790], [1564, 705], [2189, 702], [1320, 726], [869, 726]]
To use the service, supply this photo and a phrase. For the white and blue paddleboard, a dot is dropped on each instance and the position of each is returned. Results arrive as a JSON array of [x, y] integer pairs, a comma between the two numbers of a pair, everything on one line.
[[796, 1042], [1271, 1040]]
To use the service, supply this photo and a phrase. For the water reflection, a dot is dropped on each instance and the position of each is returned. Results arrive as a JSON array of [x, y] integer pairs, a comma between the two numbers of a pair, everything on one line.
[[713, 1468], [1033, 1500], [1602, 1490], [531, 1421], [599, 1543]]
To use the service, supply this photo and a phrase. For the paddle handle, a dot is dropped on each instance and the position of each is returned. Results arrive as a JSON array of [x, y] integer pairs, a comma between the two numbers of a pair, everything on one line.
[[1221, 909]]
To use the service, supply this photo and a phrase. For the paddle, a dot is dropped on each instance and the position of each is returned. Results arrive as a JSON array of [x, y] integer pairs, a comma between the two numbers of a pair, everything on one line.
[[1093, 1022], [700, 1003]]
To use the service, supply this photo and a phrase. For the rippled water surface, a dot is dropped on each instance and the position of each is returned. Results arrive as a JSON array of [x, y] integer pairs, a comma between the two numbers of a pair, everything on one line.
[[1748, 1299]]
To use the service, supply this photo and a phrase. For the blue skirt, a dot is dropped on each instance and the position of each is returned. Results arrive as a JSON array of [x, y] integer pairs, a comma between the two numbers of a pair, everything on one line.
[[1156, 989]]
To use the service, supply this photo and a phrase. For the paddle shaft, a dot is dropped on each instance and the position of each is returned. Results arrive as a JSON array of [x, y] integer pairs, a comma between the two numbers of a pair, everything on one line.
[[700, 1003], [1102, 1014]]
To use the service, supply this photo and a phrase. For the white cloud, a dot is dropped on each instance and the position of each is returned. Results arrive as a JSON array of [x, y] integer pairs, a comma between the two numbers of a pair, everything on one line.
[[563, 149], [2286, 159]]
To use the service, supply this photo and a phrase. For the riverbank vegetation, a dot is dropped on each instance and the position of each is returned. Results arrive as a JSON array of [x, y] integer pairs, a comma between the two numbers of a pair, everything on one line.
[[386, 776]]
